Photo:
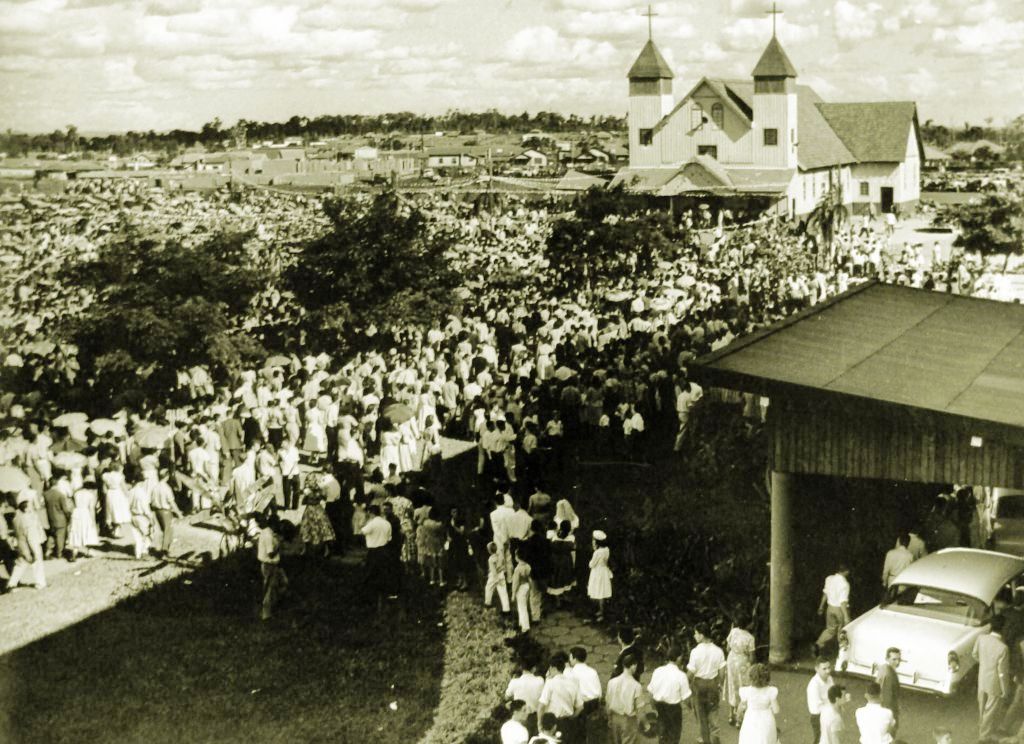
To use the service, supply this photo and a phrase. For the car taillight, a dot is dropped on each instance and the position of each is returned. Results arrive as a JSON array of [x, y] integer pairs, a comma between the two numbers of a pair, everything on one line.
[[953, 661]]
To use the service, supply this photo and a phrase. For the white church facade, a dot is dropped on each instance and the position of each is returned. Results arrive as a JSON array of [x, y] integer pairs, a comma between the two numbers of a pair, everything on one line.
[[768, 140]]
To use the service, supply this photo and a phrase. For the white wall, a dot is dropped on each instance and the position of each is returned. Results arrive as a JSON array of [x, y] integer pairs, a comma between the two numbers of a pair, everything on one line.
[[775, 111]]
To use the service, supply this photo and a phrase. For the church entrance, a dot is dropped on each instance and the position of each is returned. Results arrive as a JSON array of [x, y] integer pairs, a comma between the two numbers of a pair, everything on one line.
[[886, 199]]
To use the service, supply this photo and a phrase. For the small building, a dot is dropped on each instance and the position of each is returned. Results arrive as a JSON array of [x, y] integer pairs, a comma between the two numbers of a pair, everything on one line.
[[530, 160]]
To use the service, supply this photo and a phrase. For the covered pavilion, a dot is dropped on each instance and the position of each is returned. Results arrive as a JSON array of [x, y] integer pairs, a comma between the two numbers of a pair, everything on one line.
[[881, 382]]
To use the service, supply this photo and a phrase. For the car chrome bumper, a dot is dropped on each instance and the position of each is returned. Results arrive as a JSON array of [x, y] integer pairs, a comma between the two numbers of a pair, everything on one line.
[[945, 687]]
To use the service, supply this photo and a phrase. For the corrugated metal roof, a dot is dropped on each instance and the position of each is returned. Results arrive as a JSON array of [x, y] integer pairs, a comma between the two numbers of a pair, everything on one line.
[[650, 65], [874, 132], [774, 62], [644, 179], [945, 353]]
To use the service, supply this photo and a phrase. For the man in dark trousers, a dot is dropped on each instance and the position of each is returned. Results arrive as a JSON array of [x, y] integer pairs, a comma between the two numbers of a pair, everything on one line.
[[58, 510], [629, 647], [890, 682]]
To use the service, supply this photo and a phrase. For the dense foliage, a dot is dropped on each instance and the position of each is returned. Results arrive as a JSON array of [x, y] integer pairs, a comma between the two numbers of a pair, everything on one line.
[[995, 225], [379, 266], [160, 307], [611, 234]]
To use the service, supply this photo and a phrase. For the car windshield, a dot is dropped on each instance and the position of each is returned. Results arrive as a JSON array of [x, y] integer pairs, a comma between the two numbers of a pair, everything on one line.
[[936, 603], [1010, 507]]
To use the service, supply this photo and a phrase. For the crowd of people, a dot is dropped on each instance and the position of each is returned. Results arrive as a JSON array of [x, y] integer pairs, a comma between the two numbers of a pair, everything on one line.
[[350, 449]]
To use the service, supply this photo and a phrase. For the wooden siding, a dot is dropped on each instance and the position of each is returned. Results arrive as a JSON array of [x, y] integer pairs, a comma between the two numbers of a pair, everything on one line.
[[858, 443]]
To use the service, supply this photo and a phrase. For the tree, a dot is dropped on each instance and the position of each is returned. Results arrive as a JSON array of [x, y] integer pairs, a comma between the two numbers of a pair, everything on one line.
[[161, 307], [828, 217], [610, 234], [995, 226], [380, 265]]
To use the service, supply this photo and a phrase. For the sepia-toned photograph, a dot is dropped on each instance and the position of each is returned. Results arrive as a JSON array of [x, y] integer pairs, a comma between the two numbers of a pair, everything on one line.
[[511, 372]]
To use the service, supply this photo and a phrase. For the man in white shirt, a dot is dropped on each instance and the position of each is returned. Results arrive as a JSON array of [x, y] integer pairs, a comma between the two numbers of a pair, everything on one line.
[[896, 560], [707, 662], [590, 688], [377, 532], [513, 731], [527, 687], [835, 606], [874, 722], [561, 697], [817, 694], [669, 687]]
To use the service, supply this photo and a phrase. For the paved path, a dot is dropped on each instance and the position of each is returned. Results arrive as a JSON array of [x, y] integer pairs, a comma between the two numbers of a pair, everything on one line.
[[560, 630], [91, 585]]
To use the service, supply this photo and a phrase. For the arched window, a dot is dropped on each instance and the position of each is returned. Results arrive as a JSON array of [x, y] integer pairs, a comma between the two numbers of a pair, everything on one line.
[[717, 114]]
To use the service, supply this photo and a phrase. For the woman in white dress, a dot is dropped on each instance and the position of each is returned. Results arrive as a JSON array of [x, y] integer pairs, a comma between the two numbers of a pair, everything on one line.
[[740, 646], [759, 704], [390, 445], [118, 511], [408, 450], [316, 434], [83, 533]]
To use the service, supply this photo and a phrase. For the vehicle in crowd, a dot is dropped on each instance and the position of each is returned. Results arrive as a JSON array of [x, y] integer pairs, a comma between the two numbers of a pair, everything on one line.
[[933, 612], [1007, 510]]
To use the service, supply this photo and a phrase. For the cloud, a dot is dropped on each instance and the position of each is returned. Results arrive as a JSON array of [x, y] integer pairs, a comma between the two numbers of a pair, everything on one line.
[[855, 22], [545, 48], [172, 7], [752, 34], [759, 8], [993, 36]]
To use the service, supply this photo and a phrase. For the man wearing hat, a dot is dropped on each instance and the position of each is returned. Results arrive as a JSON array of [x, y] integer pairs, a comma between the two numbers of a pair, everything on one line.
[[58, 509], [30, 536]]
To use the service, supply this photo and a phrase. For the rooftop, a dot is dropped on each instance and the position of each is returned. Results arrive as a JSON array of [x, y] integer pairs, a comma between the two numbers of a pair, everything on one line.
[[774, 62], [942, 353], [650, 65]]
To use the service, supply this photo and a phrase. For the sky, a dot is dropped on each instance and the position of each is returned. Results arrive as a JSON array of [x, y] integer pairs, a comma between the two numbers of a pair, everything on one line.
[[114, 65]]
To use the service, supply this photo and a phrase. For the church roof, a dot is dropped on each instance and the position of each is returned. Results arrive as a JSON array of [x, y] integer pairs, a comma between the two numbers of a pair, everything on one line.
[[650, 64], [774, 62], [874, 132]]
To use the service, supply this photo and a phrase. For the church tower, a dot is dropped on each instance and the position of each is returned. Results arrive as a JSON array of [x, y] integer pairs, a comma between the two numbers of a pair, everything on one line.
[[650, 100], [775, 109]]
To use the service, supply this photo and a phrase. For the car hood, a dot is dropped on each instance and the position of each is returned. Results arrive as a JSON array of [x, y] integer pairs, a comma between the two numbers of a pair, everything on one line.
[[923, 642]]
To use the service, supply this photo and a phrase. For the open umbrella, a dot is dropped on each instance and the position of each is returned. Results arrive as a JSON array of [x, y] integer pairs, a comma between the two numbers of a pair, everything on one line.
[[69, 460], [67, 420], [618, 295], [397, 413], [42, 348], [105, 426], [153, 437], [13, 479], [564, 373], [278, 360]]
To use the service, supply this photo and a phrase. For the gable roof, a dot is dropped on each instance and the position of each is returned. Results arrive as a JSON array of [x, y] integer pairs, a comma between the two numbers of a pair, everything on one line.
[[874, 132], [650, 65], [774, 62], [818, 145]]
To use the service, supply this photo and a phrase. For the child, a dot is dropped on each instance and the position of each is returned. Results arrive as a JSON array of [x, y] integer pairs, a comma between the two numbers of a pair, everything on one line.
[[599, 586], [521, 591], [495, 579]]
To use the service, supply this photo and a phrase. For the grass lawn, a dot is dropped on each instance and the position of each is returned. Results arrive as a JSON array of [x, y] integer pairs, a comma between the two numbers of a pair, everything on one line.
[[188, 661]]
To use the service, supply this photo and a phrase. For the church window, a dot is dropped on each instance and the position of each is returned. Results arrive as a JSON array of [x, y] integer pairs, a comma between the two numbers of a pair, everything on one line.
[[709, 150], [865, 188], [646, 137], [717, 114], [771, 137]]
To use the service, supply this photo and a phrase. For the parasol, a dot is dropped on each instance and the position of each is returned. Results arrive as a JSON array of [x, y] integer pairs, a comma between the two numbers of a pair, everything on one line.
[[564, 373], [105, 426], [42, 348], [397, 413], [67, 420], [618, 295], [69, 460], [278, 360], [13, 360], [13, 479], [153, 437]]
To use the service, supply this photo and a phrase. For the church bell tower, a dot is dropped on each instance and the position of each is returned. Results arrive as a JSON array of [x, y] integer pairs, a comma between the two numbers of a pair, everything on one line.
[[650, 100], [775, 109]]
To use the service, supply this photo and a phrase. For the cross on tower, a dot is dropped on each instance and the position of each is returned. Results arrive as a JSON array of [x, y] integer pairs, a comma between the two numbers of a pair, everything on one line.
[[650, 29], [773, 13]]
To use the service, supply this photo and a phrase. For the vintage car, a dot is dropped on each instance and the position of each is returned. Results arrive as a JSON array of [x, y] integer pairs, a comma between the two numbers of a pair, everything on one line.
[[1007, 533], [933, 612]]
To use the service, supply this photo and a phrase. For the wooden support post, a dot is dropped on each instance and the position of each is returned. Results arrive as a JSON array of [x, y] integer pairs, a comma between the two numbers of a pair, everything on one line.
[[780, 614]]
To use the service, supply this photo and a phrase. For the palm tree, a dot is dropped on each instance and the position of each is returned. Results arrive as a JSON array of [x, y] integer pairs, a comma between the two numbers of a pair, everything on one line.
[[828, 216]]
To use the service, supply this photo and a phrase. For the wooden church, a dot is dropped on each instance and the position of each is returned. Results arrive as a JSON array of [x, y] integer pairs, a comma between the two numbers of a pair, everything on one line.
[[768, 141]]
